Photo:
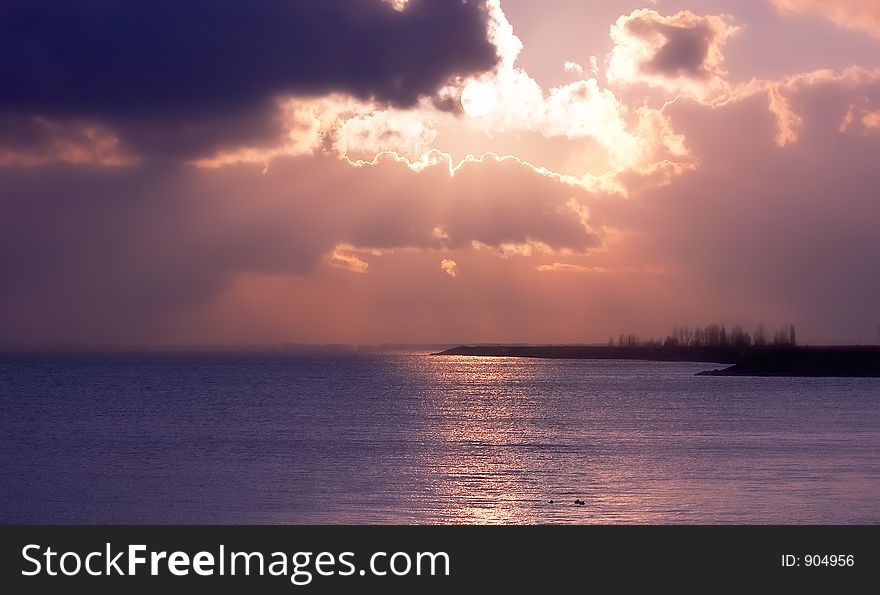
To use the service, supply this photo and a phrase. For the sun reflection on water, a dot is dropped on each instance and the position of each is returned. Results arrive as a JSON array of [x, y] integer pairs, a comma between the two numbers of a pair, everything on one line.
[[506, 454], [636, 442]]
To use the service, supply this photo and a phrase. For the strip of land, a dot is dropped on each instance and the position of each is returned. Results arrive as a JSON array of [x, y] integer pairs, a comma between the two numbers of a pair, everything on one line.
[[841, 361]]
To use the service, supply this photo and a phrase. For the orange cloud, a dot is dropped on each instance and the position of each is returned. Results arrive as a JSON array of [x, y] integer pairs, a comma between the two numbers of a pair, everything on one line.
[[343, 257], [871, 119], [862, 15], [449, 267]]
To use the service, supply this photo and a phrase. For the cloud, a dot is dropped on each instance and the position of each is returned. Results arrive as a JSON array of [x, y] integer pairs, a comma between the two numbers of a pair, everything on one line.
[[345, 257], [194, 76], [780, 93], [116, 254], [398, 4], [581, 109], [763, 230], [449, 268], [344, 125], [681, 53], [871, 119], [36, 141], [863, 15]]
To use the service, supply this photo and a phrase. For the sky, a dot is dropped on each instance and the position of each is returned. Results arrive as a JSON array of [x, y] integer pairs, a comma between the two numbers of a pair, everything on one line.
[[437, 171]]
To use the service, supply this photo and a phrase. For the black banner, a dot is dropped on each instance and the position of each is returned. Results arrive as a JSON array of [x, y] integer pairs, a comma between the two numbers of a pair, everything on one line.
[[313, 559]]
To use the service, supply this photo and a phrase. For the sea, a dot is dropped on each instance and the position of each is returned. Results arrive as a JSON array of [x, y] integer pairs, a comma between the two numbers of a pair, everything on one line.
[[414, 438]]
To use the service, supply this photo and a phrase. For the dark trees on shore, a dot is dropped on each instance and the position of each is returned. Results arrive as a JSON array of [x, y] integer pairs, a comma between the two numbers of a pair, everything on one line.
[[714, 336]]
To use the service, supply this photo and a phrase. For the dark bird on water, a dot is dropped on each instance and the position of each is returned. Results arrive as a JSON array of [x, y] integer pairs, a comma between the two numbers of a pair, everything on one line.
[[579, 502]]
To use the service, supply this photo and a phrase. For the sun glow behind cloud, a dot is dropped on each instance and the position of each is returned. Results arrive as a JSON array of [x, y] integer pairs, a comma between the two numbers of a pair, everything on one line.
[[478, 99], [506, 101], [604, 138]]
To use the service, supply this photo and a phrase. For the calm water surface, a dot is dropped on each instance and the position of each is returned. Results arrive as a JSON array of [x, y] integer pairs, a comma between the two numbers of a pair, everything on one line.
[[412, 438]]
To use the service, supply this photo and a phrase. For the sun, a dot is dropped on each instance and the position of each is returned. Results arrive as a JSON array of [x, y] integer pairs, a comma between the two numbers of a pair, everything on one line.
[[478, 99]]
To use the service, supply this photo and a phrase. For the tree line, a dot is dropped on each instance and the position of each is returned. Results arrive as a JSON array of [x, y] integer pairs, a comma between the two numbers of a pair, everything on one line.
[[714, 335]]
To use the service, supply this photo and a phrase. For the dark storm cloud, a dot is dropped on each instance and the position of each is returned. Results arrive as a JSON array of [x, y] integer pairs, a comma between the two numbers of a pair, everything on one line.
[[192, 75]]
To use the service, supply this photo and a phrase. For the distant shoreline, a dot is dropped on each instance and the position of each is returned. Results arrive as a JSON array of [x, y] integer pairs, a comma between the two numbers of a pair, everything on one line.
[[838, 361]]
